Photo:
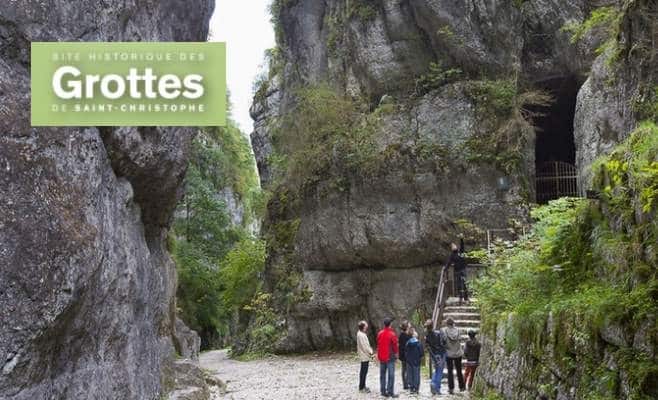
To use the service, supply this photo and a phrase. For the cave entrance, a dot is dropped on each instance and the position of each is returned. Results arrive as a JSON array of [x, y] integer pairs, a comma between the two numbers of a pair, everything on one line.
[[555, 150]]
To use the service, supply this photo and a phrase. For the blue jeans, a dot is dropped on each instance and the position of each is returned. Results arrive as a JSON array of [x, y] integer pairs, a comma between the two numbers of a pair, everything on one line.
[[439, 361], [387, 370], [413, 377]]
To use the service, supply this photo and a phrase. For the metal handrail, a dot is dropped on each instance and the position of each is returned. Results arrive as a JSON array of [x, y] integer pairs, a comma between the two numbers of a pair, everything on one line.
[[439, 303]]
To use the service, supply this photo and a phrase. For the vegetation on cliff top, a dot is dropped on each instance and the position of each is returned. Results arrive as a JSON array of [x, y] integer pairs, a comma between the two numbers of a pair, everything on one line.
[[588, 265]]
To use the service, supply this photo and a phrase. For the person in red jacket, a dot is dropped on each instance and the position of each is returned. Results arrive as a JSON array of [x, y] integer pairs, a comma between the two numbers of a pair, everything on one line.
[[387, 352]]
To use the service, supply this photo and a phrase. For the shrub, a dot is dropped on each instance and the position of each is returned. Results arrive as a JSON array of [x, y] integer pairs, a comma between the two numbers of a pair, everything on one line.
[[602, 17], [265, 328], [505, 110], [240, 273], [435, 77], [325, 132]]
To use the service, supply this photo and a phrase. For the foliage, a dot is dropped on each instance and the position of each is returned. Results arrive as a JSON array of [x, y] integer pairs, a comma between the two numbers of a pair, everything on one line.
[[223, 158], [364, 10], [436, 77], [646, 105], [602, 17], [505, 110], [199, 291], [204, 240], [265, 328], [585, 266], [325, 130], [240, 272], [631, 169], [276, 8]]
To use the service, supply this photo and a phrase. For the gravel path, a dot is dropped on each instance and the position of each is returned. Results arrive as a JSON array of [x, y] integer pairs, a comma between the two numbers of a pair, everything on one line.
[[333, 376]]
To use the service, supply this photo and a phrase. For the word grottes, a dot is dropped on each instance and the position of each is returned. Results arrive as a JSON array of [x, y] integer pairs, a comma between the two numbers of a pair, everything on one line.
[[69, 83]]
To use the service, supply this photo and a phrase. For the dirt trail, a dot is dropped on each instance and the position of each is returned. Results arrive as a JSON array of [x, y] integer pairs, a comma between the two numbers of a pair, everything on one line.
[[324, 377]]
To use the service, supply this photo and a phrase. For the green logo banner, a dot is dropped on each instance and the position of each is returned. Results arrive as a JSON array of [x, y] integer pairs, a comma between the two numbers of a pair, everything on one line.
[[128, 84]]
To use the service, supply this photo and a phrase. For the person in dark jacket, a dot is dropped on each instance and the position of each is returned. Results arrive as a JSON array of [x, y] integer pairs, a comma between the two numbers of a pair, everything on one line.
[[402, 340], [458, 261], [472, 355], [414, 353], [436, 346]]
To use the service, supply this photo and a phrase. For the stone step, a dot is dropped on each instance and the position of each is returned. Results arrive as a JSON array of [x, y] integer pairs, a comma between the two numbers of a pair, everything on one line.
[[461, 309], [462, 316], [466, 323]]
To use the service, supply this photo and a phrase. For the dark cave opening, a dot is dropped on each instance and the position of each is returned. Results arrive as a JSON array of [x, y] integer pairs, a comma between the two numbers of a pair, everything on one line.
[[555, 150]]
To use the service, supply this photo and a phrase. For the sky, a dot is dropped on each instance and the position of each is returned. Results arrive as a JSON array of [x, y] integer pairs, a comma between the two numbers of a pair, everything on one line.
[[245, 27]]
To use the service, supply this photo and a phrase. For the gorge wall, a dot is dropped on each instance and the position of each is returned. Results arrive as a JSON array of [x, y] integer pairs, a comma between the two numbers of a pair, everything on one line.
[[447, 85], [570, 356], [87, 307]]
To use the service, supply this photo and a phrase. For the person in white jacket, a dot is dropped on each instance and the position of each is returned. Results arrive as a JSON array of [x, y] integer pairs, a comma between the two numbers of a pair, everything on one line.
[[365, 353]]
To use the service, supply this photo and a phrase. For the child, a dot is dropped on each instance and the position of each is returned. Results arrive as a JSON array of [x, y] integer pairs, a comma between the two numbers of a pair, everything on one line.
[[413, 352], [472, 354]]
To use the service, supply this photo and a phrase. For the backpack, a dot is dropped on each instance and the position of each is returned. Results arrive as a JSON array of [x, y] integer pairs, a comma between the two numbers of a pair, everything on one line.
[[436, 342]]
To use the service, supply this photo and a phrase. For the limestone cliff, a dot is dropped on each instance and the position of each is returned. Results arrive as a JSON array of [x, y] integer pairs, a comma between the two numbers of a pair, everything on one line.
[[86, 283], [449, 85]]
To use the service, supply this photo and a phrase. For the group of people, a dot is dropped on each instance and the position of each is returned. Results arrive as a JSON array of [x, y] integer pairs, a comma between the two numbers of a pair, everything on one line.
[[444, 348], [443, 345]]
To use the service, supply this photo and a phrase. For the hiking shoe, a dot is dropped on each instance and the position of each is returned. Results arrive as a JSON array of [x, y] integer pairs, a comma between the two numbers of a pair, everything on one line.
[[364, 390]]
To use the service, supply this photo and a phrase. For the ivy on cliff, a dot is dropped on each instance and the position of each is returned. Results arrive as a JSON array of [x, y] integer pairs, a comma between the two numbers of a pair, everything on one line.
[[587, 265]]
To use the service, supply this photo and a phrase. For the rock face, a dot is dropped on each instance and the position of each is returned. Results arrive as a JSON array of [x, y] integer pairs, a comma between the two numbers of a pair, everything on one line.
[[622, 80], [521, 377], [610, 105], [373, 249], [86, 285]]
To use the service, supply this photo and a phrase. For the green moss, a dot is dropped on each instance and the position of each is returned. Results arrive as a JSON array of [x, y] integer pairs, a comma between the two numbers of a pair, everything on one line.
[[602, 17], [632, 164], [277, 8], [589, 266], [364, 10]]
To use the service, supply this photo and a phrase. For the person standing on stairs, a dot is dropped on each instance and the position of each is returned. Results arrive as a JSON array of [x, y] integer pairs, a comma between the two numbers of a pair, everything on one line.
[[387, 352], [458, 261], [402, 340], [436, 346], [365, 353], [454, 356], [472, 355]]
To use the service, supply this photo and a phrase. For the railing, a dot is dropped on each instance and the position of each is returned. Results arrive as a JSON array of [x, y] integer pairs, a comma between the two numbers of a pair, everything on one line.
[[556, 179], [440, 301], [439, 305]]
